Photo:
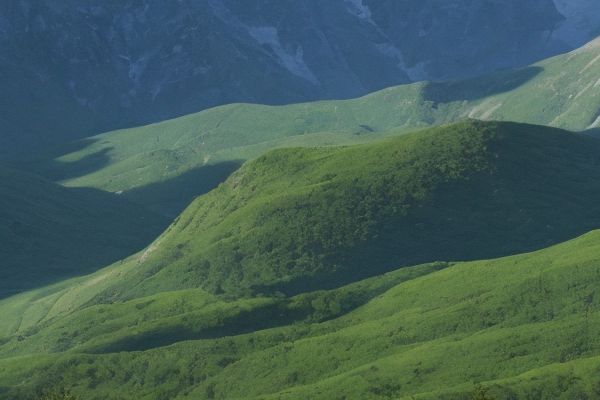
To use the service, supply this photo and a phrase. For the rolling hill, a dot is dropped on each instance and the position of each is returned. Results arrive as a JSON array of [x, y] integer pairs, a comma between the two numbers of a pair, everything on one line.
[[166, 165], [49, 233], [437, 240], [301, 219], [285, 281], [307, 218], [521, 327]]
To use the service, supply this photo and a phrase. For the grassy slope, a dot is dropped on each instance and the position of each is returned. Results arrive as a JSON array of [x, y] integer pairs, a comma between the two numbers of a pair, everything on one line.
[[303, 219], [48, 232], [562, 92], [523, 325], [432, 329]]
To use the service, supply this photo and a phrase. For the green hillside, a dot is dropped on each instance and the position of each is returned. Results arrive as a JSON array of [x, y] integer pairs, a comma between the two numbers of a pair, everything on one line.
[[302, 219], [48, 232], [523, 327], [285, 281], [160, 164]]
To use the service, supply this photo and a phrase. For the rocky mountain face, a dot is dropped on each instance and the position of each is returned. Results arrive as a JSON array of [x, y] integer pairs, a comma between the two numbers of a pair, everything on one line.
[[79, 67]]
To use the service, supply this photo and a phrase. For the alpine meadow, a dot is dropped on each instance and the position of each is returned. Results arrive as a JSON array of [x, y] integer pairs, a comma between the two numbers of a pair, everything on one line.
[[291, 200]]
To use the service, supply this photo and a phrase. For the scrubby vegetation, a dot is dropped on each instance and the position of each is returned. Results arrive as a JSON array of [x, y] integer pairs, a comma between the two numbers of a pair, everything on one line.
[[60, 394]]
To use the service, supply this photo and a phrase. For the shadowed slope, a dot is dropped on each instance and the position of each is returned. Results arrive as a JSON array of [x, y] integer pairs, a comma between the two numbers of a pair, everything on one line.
[[301, 219], [522, 325], [48, 232], [562, 91]]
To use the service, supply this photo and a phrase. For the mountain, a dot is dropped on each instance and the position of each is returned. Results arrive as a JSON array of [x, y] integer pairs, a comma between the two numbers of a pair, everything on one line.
[[48, 233], [303, 219], [166, 165], [157, 326], [88, 66]]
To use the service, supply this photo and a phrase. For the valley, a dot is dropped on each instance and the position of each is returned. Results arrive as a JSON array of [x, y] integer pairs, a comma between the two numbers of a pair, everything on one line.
[[327, 200]]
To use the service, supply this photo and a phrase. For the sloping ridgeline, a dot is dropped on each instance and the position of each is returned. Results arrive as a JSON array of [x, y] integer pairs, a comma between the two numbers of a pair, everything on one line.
[[523, 326], [188, 155], [297, 220], [302, 219]]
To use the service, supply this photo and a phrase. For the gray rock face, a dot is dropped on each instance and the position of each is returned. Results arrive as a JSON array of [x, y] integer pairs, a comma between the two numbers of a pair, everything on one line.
[[70, 68]]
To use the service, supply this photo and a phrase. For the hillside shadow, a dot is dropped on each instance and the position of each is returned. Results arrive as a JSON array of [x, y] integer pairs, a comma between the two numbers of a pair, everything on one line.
[[81, 232], [49, 166], [171, 197], [595, 132], [109, 229], [480, 87], [84, 166], [248, 321]]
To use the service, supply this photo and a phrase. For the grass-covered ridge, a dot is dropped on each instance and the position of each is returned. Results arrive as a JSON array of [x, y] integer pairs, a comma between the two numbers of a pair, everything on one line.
[[190, 154], [258, 290], [48, 232], [301, 219], [523, 326]]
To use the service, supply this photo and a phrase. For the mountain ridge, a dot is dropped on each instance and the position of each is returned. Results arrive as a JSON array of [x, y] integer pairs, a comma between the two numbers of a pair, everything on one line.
[[258, 290], [90, 66], [559, 91], [337, 201], [400, 340]]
